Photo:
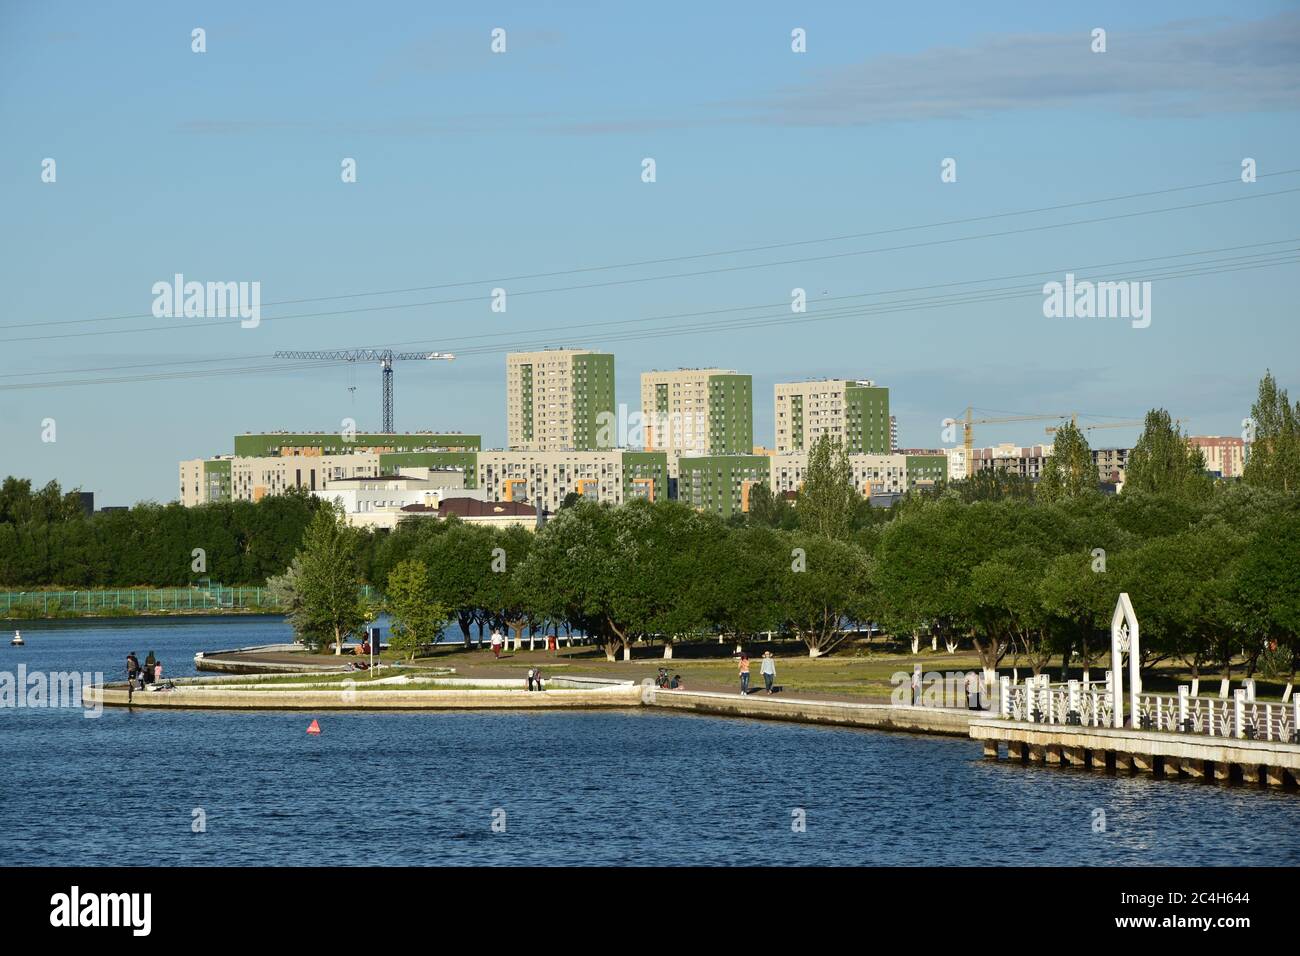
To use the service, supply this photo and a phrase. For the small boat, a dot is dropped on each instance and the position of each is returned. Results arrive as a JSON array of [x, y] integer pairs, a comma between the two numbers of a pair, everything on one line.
[[17, 639]]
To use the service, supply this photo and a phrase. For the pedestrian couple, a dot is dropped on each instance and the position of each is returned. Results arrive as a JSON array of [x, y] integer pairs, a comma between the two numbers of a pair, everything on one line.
[[768, 670]]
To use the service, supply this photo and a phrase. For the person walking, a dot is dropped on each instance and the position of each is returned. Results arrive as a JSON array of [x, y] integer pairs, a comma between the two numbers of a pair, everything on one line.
[[769, 670], [744, 674], [496, 643]]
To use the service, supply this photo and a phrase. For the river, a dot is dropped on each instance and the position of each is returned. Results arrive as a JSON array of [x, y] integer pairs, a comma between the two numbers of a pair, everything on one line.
[[599, 787]]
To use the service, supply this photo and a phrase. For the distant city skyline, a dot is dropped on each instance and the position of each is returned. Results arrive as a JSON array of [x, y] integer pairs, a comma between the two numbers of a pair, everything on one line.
[[501, 203]]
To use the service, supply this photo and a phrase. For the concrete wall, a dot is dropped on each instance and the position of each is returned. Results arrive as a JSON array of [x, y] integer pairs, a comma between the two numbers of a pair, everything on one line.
[[926, 720]]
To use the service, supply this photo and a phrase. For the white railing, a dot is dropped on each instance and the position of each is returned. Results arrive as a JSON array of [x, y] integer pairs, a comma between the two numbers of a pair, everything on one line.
[[1074, 703], [1238, 716]]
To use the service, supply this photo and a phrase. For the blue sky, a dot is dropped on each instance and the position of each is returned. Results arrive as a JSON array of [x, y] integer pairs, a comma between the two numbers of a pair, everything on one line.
[[225, 166]]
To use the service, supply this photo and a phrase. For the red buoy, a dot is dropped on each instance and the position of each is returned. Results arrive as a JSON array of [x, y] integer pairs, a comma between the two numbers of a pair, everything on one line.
[[314, 728]]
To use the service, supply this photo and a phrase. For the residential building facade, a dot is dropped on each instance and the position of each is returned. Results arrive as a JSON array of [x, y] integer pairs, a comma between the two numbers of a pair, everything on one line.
[[853, 413], [1225, 455], [560, 400]]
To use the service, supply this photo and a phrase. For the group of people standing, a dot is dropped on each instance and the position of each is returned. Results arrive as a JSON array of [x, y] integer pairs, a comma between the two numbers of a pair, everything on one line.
[[138, 675], [768, 669]]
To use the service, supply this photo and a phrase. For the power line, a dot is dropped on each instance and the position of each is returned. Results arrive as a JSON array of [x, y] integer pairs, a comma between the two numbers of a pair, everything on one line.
[[868, 311], [781, 305], [586, 326], [642, 279]]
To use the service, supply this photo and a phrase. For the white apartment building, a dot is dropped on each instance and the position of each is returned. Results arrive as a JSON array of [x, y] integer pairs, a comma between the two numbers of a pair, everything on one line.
[[546, 477], [872, 474], [250, 479]]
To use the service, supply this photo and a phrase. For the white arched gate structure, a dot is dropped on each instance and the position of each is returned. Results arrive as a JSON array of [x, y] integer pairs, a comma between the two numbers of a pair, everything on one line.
[[1125, 639]]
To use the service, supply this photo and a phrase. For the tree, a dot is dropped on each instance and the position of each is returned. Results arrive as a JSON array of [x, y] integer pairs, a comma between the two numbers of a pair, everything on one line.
[[1006, 606], [1068, 472], [327, 581], [1274, 460], [1077, 597], [503, 593], [766, 509], [1162, 463], [827, 500], [570, 571], [417, 619], [826, 583], [1266, 589]]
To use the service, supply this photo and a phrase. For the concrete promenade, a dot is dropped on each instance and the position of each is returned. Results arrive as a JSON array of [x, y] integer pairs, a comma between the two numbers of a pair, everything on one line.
[[1123, 750], [242, 694], [405, 692], [923, 720]]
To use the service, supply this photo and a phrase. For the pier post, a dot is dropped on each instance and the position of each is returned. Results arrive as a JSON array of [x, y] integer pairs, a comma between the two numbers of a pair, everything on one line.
[[1193, 768], [1123, 762], [1099, 759], [991, 749], [1249, 771], [1036, 753], [1144, 762], [1074, 756], [1053, 754], [1275, 776], [1222, 771], [1016, 750]]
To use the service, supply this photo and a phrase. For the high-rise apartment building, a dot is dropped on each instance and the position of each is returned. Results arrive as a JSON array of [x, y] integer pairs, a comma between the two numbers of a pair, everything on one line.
[[698, 411], [854, 414], [560, 400]]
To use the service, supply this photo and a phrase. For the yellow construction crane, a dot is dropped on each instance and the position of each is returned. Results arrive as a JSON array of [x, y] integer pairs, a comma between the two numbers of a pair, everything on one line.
[[968, 431]]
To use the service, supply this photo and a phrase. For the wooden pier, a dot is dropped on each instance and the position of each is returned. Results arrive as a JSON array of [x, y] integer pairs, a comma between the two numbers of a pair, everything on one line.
[[1122, 750]]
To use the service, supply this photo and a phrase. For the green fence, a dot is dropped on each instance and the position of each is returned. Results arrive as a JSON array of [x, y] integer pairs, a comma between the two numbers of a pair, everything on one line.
[[142, 599]]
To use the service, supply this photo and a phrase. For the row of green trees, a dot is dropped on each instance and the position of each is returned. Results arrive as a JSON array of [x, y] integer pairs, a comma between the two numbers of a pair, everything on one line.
[[46, 539], [1210, 578]]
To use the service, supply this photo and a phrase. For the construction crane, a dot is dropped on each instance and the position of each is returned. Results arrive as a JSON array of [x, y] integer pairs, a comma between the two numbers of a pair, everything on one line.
[[968, 436], [1087, 428], [385, 358]]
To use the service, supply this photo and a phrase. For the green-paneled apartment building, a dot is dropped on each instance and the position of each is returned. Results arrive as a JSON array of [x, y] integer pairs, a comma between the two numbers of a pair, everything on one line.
[[560, 400], [853, 413], [698, 411], [720, 483]]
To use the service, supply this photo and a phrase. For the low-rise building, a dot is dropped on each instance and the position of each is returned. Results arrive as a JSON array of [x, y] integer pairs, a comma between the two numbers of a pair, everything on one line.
[[872, 474], [721, 483], [548, 477], [235, 478], [378, 501]]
